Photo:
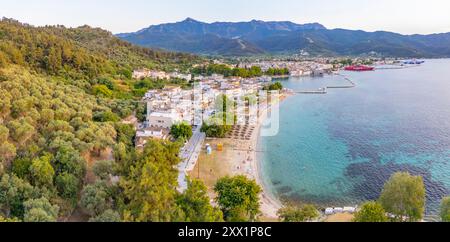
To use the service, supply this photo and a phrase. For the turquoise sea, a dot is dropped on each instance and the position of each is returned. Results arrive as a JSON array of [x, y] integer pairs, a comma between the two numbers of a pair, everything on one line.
[[339, 149]]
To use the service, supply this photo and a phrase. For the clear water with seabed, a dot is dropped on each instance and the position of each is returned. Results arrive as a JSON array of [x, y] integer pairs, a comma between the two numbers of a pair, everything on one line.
[[339, 149]]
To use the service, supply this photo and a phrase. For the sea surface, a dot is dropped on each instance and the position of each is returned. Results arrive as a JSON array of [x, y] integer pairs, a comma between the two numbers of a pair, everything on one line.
[[340, 148]]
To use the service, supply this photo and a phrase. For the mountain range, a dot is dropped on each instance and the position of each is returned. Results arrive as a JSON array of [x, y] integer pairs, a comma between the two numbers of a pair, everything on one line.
[[260, 38]]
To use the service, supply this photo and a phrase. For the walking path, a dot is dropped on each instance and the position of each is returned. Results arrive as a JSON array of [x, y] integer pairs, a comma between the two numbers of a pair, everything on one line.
[[189, 155]]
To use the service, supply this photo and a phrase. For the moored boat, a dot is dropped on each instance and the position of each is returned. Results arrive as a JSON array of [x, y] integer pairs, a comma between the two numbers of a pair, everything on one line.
[[413, 62], [359, 68]]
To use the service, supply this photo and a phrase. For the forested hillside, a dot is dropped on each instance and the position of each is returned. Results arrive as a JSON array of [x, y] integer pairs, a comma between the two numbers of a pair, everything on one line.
[[79, 52], [63, 148]]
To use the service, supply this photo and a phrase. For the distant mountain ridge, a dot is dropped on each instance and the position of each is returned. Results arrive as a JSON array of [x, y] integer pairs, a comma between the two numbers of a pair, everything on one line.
[[260, 37]]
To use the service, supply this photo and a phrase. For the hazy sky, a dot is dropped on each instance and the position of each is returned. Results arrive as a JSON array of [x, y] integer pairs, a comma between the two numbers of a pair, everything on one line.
[[403, 16]]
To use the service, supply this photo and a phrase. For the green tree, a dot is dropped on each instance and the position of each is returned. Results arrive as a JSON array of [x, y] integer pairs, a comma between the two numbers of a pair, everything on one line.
[[13, 192], [151, 192], [303, 213], [445, 209], [95, 198], [126, 73], [238, 198], [103, 169], [42, 171], [277, 86], [9, 220], [40, 210], [150, 187], [102, 91], [404, 197], [3, 60], [181, 130], [21, 167], [196, 205], [217, 127], [106, 116], [67, 185], [7, 152], [371, 212], [69, 160], [21, 131], [125, 134], [109, 216]]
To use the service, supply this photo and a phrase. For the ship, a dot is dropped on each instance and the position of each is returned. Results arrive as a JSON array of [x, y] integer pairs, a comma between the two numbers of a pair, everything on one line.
[[413, 62], [359, 68]]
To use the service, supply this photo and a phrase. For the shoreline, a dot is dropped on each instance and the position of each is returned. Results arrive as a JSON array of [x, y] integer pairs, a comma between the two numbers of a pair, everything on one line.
[[269, 203]]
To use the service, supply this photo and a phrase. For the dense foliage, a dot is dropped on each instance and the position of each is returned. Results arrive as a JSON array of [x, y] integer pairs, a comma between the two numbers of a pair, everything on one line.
[[303, 213], [445, 209], [238, 198], [181, 131], [80, 52], [196, 204], [63, 148], [404, 197], [47, 131], [371, 212], [277, 86], [90, 58], [220, 124], [244, 72], [277, 72], [227, 71]]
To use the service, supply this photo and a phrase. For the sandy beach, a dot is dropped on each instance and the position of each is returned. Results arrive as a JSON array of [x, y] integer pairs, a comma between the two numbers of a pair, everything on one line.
[[269, 204], [239, 157]]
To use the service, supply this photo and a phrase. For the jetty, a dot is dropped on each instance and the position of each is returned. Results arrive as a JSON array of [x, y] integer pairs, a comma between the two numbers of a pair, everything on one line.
[[324, 90], [319, 91]]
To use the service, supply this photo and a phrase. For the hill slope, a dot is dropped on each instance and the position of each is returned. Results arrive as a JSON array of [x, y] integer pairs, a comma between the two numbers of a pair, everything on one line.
[[63, 94], [78, 52], [258, 37]]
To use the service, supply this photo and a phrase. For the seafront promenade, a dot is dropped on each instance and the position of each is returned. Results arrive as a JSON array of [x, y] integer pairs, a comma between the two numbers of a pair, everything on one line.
[[189, 155]]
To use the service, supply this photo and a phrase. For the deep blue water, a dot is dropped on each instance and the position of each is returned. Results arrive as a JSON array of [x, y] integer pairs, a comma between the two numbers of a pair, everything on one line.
[[339, 149]]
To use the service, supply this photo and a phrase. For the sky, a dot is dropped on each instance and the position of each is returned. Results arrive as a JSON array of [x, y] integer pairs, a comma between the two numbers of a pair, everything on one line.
[[120, 16]]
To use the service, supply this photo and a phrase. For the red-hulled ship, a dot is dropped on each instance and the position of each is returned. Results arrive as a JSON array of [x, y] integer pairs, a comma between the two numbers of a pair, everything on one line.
[[359, 68]]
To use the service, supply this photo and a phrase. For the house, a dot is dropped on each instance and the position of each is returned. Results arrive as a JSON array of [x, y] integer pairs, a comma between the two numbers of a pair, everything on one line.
[[143, 73], [177, 75], [163, 119], [143, 135]]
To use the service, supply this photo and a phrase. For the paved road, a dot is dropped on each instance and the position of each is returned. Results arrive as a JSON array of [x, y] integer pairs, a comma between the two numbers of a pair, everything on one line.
[[189, 155]]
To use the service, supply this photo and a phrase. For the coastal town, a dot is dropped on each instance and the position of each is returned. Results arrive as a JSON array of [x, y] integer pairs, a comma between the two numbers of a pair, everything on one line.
[[205, 115], [194, 106]]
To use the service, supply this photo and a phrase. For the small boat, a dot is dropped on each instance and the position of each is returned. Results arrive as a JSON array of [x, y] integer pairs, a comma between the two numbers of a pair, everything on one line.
[[359, 68]]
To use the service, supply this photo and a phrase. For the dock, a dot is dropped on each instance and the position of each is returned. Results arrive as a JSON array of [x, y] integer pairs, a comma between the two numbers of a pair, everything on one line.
[[324, 90]]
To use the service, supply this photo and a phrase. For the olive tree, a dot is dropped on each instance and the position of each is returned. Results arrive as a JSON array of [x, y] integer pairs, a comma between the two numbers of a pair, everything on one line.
[[371, 212], [404, 197]]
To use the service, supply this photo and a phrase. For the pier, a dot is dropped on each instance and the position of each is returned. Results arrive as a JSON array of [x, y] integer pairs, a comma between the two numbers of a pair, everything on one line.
[[325, 89], [320, 91]]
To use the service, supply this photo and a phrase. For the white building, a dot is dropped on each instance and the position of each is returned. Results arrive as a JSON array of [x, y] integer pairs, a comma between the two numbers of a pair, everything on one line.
[[186, 77], [163, 119], [142, 73]]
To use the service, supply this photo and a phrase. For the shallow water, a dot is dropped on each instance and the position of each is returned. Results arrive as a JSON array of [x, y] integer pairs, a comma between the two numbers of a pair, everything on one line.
[[339, 149]]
